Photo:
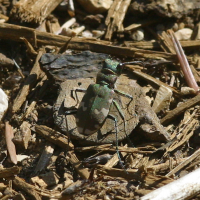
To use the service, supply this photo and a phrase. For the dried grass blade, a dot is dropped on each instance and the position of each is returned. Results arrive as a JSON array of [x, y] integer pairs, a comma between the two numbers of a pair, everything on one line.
[[189, 77]]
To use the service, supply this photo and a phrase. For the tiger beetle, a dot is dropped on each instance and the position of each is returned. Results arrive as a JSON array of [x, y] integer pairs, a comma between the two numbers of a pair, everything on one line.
[[94, 108]]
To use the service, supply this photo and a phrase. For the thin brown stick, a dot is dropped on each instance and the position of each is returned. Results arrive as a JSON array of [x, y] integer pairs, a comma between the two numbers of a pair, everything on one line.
[[184, 163], [8, 172], [28, 84], [54, 136], [14, 32], [29, 189], [177, 111]]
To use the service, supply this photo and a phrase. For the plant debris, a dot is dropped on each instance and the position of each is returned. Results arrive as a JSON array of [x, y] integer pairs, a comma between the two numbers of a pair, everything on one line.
[[50, 49]]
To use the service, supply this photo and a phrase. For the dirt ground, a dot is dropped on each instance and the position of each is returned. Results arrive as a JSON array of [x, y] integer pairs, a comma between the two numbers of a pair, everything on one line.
[[48, 49]]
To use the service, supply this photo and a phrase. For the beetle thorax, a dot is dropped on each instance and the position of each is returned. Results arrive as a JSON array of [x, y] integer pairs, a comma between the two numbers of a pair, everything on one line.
[[106, 77]]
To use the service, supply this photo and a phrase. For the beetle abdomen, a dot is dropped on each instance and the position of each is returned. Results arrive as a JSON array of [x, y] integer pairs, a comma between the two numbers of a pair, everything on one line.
[[94, 109]]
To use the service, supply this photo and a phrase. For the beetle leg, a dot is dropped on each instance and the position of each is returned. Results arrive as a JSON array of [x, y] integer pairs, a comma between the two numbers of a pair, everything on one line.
[[116, 134], [69, 112], [123, 118], [124, 95], [78, 90]]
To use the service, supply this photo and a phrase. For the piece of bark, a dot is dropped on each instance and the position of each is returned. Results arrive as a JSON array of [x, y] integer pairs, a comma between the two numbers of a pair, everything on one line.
[[28, 84], [166, 43], [162, 100], [141, 23], [115, 17], [54, 136], [45, 180], [180, 109], [183, 135], [44, 158], [183, 188], [6, 197], [29, 109], [33, 11], [81, 65], [142, 44], [163, 167], [165, 9], [14, 32], [23, 136], [114, 160], [2, 187], [9, 143], [184, 163], [83, 172], [151, 80], [5, 61], [19, 196], [8, 172], [30, 48], [134, 174], [155, 45], [29, 189], [78, 185], [113, 149]]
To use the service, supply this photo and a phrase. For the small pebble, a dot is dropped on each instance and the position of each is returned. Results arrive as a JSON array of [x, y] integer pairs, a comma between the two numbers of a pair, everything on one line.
[[187, 91], [87, 34], [137, 35], [183, 34], [98, 33], [181, 26], [175, 27]]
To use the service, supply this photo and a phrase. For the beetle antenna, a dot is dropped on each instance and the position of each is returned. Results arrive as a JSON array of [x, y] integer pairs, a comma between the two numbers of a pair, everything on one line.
[[132, 62]]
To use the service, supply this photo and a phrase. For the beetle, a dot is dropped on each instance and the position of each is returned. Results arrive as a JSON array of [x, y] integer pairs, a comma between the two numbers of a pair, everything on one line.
[[94, 108], [95, 105]]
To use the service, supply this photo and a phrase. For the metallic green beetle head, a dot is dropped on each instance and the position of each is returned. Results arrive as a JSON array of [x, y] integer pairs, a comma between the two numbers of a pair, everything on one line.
[[109, 73], [113, 66]]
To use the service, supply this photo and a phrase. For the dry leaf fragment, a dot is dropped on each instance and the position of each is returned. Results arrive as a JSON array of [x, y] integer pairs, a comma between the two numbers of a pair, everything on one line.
[[10, 145]]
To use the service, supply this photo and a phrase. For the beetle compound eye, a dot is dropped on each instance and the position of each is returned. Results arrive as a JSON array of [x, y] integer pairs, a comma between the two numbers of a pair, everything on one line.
[[120, 67]]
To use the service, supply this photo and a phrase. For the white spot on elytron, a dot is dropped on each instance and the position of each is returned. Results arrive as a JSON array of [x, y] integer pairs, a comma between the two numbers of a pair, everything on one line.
[[110, 100], [82, 105], [103, 111], [96, 111]]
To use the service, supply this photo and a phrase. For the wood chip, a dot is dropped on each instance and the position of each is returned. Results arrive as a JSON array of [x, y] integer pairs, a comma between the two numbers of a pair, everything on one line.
[[180, 109], [28, 84], [183, 188], [54, 136], [8, 172]]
